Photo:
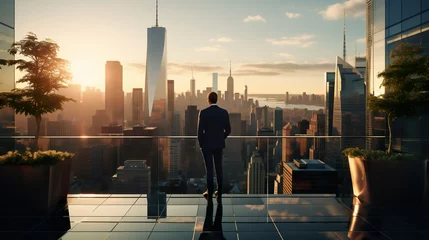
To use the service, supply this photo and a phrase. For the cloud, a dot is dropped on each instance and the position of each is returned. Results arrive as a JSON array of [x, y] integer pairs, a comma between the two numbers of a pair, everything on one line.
[[210, 49], [179, 68], [221, 39], [256, 18], [354, 8], [299, 41], [361, 40], [307, 44], [286, 55], [292, 15], [251, 72], [290, 67]]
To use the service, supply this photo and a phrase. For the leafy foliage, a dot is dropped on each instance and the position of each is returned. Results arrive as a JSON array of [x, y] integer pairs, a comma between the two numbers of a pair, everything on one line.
[[377, 155], [34, 158], [45, 74], [406, 81]]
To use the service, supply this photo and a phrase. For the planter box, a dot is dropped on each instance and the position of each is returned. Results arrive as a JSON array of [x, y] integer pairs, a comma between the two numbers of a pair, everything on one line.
[[31, 191], [389, 183]]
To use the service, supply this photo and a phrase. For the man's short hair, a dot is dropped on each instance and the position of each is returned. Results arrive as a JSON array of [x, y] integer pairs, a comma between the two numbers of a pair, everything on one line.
[[212, 97]]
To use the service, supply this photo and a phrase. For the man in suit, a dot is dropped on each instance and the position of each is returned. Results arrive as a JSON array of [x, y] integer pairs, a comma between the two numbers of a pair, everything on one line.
[[213, 128]]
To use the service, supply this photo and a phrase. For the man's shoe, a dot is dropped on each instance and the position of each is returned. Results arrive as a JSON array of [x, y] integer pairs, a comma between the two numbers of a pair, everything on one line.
[[218, 197], [206, 195]]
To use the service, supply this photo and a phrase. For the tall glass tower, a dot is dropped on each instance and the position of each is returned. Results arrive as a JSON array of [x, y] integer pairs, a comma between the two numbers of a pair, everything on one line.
[[390, 22], [156, 76], [7, 74]]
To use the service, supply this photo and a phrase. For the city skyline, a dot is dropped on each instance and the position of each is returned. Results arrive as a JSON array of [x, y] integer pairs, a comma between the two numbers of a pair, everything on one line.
[[204, 43]]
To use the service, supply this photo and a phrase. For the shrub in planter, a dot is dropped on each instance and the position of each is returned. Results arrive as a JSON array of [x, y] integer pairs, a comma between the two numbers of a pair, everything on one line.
[[34, 183]]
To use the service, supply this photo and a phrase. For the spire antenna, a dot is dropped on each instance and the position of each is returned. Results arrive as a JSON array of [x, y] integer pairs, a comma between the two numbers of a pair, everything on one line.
[[192, 69], [344, 45], [156, 13], [230, 71]]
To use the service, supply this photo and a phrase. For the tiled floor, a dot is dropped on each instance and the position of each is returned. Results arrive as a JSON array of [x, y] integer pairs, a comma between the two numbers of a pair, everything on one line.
[[245, 217]]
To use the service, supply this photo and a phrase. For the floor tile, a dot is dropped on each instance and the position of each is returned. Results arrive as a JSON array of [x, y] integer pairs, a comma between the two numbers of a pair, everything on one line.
[[182, 211], [88, 201], [170, 235], [134, 227], [93, 227], [128, 236], [137, 211], [110, 211], [217, 236], [141, 201], [120, 201], [291, 235], [174, 227], [259, 235], [81, 210], [256, 227], [85, 236]]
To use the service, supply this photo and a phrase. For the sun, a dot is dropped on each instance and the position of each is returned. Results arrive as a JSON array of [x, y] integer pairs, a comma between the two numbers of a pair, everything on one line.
[[87, 73]]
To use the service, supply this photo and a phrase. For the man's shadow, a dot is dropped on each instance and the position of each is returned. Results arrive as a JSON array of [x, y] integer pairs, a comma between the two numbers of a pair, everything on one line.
[[212, 231]]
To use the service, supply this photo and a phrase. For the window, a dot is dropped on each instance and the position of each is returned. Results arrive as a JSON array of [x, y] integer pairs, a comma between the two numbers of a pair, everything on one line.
[[410, 8], [393, 12], [412, 22], [379, 15], [394, 30], [425, 42], [425, 5], [425, 17]]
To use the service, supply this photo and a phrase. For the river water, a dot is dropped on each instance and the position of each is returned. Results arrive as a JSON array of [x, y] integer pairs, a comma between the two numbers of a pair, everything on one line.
[[273, 103]]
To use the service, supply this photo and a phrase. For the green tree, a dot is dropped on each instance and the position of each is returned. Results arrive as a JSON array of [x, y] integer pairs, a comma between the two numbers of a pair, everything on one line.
[[45, 74], [406, 82]]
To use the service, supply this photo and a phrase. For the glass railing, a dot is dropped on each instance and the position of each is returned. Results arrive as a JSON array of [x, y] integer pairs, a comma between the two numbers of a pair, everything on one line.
[[175, 164]]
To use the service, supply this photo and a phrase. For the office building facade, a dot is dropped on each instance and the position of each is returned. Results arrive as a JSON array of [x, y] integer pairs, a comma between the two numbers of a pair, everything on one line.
[[388, 24], [114, 99], [7, 74], [256, 175], [137, 106], [329, 101], [156, 76], [215, 82]]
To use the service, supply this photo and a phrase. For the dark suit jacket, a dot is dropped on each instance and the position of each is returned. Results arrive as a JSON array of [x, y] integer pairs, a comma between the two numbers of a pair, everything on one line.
[[213, 127]]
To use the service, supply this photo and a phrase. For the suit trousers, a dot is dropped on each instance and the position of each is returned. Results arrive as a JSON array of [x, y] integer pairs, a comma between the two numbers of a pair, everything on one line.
[[209, 156]]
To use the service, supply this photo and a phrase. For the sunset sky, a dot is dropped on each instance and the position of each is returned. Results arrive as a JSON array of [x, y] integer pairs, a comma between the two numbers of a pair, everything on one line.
[[274, 45]]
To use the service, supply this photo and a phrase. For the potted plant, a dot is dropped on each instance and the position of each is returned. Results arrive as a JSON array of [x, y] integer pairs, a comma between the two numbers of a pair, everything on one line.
[[387, 178], [33, 182], [49, 171]]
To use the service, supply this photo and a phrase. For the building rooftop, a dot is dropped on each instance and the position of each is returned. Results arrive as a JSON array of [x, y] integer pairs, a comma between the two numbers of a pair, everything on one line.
[[107, 216]]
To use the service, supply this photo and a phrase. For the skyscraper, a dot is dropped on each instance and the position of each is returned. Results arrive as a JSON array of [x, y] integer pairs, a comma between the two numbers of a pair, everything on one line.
[[215, 82], [256, 175], [137, 106], [190, 164], [389, 23], [156, 75], [278, 120], [348, 115], [114, 94], [171, 96], [230, 85], [265, 119], [193, 88], [245, 93], [329, 101]]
